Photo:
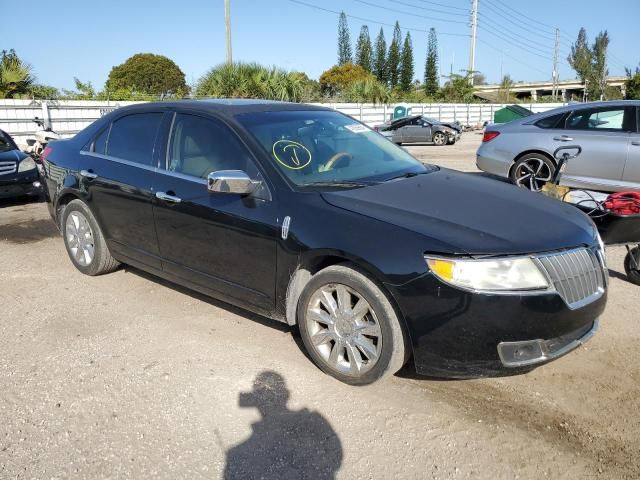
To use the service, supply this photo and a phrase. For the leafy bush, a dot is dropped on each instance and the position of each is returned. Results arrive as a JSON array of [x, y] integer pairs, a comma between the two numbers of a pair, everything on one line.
[[147, 73], [369, 90], [340, 77], [251, 80]]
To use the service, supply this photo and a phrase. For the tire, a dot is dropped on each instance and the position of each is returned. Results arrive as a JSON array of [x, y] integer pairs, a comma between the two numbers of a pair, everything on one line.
[[398, 143], [452, 141], [357, 349], [84, 240], [633, 274], [532, 171], [440, 139]]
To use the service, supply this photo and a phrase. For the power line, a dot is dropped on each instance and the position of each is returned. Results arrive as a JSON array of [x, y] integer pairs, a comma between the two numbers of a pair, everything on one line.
[[444, 5], [515, 44], [517, 25], [431, 9], [510, 56], [526, 17], [375, 22], [410, 13], [518, 37]]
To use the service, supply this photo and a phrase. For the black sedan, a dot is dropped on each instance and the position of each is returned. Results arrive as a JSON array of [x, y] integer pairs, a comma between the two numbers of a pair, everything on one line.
[[18, 171], [418, 129], [304, 215]]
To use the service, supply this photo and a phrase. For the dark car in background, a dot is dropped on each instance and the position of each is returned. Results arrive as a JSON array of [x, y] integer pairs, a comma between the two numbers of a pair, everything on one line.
[[18, 171], [306, 216], [417, 129]]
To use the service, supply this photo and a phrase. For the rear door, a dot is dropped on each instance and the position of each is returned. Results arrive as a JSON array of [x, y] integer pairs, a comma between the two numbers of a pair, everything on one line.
[[414, 131], [118, 169], [603, 133], [631, 176]]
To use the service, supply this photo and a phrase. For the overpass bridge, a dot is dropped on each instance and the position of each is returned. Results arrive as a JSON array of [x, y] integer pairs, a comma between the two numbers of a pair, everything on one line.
[[567, 89]]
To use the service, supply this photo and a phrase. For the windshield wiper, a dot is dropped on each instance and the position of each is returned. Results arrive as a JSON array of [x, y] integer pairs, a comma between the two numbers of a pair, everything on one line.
[[335, 184], [406, 175]]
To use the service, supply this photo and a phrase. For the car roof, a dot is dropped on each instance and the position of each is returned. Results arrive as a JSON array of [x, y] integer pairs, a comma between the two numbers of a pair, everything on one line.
[[227, 106]]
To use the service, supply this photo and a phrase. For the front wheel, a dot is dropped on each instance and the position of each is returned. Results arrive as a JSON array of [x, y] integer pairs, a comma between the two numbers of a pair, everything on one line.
[[632, 265], [439, 138], [532, 171], [349, 327]]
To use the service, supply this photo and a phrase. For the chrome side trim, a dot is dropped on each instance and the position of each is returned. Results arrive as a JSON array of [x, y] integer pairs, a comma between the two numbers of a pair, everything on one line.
[[119, 160], [546, 354]]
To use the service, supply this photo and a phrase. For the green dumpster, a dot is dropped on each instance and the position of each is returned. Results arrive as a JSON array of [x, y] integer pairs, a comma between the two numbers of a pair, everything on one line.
[[510, 112]]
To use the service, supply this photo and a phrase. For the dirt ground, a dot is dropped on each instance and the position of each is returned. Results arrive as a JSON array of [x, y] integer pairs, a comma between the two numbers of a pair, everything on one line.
[[128, 376]]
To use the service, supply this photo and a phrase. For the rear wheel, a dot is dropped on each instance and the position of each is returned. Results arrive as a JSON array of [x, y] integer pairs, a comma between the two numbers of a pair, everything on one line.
[[349, 327], [84, 241], [439, 138], [632, 265], [532, 171]]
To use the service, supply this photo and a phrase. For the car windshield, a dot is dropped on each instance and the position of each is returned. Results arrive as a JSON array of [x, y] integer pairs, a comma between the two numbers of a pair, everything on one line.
[[6, 144], [325, 148]]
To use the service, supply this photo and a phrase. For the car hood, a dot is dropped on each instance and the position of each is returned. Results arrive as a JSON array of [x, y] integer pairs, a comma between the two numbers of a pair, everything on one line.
[[12, 155], [470, 214]]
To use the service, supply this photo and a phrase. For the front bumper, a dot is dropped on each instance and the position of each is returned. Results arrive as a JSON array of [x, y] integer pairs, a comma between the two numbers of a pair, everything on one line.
[[457, 334], [20, 184]]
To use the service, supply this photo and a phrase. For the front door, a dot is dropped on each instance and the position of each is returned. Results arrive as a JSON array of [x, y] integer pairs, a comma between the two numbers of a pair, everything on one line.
[[603, 133], [223, 242], [117, 172], [631, 177]]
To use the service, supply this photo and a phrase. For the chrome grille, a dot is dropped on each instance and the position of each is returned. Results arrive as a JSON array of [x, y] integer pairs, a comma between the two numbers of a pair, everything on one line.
[[577, 275], [8, 167]]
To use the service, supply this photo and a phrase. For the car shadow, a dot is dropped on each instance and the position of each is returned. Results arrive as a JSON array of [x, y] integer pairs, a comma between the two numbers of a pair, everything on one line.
[[284, 443]]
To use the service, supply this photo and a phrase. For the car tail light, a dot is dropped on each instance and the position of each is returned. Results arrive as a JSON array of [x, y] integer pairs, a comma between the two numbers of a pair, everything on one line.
[[488, 136], [45, 153]]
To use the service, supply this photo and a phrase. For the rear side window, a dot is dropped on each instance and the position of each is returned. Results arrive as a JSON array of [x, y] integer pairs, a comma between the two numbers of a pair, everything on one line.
[[550, 122], [100, 143], [133, 137], [597, 119]]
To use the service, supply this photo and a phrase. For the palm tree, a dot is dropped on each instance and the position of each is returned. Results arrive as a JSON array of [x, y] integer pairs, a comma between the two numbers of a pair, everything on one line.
[[15, 75]]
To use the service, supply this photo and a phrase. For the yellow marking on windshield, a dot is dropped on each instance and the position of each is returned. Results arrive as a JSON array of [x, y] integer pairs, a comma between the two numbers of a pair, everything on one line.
[[290, 154]]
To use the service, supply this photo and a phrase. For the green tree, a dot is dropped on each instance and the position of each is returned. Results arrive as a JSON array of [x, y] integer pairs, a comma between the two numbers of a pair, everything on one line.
[[364, 49], [458, 88], [580, 56], [148, 73], [380, 58], [83, 91], [632, 84], [16, 76], [599, 71], [393, 58], [340, 77], [251, 80], [367, 90], [406, 64], [43, 92], [506, 85], [344, 41], [431, 81]]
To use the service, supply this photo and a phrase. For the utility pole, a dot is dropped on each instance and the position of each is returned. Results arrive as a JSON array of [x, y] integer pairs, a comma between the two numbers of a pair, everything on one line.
[[474, 33], [556, 52], [227, 22]]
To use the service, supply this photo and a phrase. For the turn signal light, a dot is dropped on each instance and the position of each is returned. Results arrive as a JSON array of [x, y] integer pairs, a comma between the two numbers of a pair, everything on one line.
[[488, 136], [45, 153]]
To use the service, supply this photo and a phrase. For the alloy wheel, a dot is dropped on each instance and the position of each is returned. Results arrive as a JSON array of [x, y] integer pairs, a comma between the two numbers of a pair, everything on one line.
[[533, 174], [344, 329], [439, 139], [79, 238]]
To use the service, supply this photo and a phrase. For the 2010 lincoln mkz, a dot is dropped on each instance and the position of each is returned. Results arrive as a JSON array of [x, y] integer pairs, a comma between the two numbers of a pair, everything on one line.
[[306, 216]]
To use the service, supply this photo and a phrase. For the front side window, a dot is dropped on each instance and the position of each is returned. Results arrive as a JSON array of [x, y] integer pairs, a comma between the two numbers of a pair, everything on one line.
[[202, 145], [133, 137], [597, 119], [326, 147], [6, 143]]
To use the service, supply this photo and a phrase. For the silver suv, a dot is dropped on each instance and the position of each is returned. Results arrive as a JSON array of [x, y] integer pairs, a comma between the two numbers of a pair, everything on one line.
[[608, 133]]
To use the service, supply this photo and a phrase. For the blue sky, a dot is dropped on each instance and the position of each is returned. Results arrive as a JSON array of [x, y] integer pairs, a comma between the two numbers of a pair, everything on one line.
[[85, 39]]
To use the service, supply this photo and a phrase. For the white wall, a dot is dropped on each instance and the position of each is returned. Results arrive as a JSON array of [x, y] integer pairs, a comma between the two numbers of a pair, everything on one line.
[[68, 117]]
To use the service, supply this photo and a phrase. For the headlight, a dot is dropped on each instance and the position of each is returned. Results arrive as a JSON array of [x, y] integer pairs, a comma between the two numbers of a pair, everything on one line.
[[504, 274], [26, 165]]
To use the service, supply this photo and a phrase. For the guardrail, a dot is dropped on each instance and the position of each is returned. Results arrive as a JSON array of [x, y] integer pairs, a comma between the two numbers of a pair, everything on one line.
[[67, 117]]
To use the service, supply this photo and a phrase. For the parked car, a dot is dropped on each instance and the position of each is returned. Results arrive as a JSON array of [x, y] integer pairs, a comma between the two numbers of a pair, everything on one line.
[[418, 129], [522, 150], [304, 215], [457, 126], [18, 171]]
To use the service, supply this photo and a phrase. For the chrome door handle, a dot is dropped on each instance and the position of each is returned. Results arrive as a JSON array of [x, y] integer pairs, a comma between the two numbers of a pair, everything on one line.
[[168, 198], [88, 174], [563, 138]]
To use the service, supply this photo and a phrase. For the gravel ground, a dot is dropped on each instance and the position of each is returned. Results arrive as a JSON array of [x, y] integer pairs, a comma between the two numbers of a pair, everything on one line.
[[128, 376]]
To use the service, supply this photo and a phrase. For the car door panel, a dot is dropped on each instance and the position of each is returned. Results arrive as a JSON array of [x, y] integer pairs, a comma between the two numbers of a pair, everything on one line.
[[119, 190], [631, 176], [224, 242]]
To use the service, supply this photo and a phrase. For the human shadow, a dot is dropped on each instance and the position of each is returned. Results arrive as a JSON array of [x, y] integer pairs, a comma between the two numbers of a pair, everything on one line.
[[285, 444]]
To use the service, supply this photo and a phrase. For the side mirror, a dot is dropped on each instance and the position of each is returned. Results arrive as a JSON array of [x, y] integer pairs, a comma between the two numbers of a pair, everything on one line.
[[231, 181]]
